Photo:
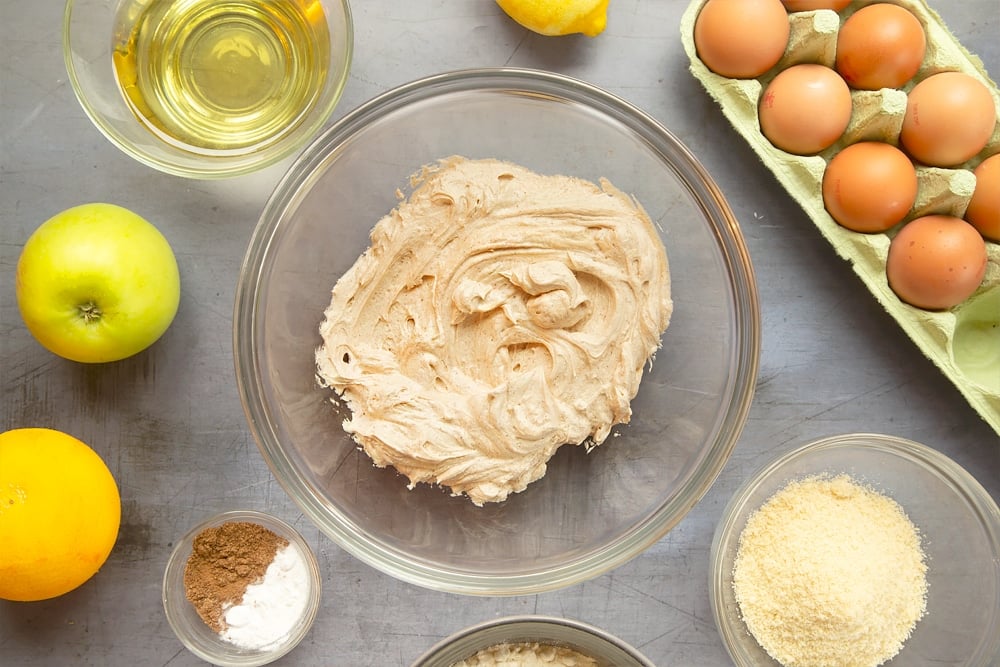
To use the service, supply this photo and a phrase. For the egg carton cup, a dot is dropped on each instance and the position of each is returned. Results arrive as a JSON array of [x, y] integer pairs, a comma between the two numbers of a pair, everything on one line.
[[964, 341]]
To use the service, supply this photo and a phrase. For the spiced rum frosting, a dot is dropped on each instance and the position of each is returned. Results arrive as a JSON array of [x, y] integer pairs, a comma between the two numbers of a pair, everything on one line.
[[497, 315]]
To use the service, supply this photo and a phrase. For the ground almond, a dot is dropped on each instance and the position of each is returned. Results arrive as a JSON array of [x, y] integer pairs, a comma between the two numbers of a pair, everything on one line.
[[830, 572]]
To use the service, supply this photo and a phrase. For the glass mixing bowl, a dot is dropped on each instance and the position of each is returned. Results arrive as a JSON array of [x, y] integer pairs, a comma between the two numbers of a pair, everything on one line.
[[94, 32], [959, 525], [605, 649], [591, 512]]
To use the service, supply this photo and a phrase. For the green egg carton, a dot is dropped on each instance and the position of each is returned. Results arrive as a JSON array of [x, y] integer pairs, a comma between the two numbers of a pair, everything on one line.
[[964, 341]]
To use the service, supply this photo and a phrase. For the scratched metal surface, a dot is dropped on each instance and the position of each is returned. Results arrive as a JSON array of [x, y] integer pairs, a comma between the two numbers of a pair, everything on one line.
[[170, 425]]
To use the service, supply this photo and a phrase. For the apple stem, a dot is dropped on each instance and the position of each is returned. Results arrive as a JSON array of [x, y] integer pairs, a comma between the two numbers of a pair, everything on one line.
[[90, 312]]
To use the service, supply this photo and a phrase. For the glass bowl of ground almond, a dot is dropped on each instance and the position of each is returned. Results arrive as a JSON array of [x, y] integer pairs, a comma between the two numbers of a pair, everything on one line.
[[859, 549], [496, 331], [532, 640], [241, 588]]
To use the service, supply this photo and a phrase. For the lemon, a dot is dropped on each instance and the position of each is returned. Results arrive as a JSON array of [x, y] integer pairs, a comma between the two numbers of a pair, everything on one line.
[[559, 17], [59, 513]]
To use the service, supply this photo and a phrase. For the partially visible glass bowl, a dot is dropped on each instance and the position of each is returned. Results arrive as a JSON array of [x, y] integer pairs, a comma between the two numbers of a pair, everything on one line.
[[959, 525], [607, 650], [89, 36], [591, 512]]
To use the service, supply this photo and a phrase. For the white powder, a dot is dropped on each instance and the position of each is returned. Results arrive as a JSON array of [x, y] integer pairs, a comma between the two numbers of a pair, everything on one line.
[[271, 607], [527, 655]]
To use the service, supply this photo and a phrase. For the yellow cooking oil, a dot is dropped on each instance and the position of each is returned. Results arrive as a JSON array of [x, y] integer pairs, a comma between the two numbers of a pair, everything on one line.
[[230, 76]]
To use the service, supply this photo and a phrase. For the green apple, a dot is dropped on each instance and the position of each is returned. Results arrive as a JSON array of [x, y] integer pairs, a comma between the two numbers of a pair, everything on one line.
[[97, 283]]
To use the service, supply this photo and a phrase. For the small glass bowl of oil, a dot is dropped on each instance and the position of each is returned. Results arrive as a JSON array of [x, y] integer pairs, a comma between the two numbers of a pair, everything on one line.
[[208, 88]]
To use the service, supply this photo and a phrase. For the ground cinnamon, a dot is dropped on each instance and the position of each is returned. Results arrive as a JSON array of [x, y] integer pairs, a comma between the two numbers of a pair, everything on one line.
[[225, 560]]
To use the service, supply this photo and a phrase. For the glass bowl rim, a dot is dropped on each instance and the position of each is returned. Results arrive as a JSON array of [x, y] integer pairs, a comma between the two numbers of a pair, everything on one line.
[[923, 456], [170, 600], [215, 167], [540, 620], [730, 244]]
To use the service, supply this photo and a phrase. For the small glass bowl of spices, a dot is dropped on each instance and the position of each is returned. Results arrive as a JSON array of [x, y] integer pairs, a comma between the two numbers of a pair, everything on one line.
[[241, 588], [853, 550]]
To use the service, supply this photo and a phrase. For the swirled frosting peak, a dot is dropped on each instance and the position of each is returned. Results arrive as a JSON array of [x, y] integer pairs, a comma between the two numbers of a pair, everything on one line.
[[497, 315]]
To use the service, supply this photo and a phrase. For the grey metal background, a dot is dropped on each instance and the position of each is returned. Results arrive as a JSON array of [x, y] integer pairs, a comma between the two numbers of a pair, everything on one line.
[[170, 425]]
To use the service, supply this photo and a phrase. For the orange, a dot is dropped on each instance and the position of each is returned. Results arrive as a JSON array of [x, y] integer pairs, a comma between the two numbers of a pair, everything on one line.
[[59, 513]]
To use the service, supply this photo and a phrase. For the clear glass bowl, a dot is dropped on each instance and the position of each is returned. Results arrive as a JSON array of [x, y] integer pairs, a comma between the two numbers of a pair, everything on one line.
[[591, 512], [607, 650], [960, 531], [192, 630], [89, 32]]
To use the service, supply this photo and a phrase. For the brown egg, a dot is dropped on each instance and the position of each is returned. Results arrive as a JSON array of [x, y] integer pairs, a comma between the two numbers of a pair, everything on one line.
[[741, 39], [869, 186], [949, 118], [936, 262], [805, 109], [880, 46], [809, 5], [984, 208]]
